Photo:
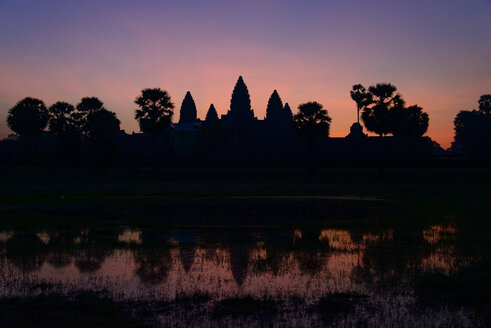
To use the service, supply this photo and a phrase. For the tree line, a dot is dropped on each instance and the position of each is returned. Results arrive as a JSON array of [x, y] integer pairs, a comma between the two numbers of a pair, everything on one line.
[[382, 109]]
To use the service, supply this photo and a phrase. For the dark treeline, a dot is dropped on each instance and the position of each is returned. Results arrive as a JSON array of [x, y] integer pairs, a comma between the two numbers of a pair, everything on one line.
[[89, 133]]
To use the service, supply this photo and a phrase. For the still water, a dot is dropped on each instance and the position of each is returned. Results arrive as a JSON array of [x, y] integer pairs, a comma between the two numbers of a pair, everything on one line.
[[297, 270]]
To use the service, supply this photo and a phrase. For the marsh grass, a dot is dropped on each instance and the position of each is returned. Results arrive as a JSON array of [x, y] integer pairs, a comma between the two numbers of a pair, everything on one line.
[[470, 286], [245, 306], [338, 304], [54, 310], [213, 202]]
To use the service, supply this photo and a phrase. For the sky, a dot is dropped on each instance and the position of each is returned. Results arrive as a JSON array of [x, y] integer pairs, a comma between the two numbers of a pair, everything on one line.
[[436, 52]]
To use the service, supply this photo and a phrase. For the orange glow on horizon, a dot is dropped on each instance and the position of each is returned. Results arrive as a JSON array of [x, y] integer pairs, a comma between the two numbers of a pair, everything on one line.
[[338, 102]]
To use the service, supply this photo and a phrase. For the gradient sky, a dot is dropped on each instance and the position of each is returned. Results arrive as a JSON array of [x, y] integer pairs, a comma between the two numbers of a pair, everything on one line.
[[437, 52]]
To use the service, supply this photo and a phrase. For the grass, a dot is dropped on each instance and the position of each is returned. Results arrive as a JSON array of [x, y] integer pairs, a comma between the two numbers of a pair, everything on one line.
[[245, 306], [470, 286], [32, 195], [24, 183], [84, 310], [333, 305]]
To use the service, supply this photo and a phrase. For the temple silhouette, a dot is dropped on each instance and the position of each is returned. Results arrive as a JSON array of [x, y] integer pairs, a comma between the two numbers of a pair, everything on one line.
[[240, 135], [235, 137]]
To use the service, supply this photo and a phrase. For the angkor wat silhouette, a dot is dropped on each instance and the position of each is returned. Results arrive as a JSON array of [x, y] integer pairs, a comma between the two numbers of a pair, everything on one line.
[[237, 136]]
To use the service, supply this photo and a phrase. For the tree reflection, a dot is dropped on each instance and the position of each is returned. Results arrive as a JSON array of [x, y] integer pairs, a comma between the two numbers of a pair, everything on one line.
[[390, 259], [153, 264], [309, 252], [25, 251], [93, 248], [61, 248]]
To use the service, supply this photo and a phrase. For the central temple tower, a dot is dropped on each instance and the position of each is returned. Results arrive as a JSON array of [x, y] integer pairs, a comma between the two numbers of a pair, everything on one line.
[[240, 105]]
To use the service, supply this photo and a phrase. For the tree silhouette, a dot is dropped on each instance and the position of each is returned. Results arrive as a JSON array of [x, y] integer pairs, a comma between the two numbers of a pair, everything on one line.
[[211, 115], [473, 129], [28, 117], [63, 122], [361, 97], [102, 130], [384, 111], [274, 110], [90, 105], [102, 125], [155, 113], [376, 111], [485, 104], [61, 118], [188, 109], [409, 121], [311, 122], [85, 107]]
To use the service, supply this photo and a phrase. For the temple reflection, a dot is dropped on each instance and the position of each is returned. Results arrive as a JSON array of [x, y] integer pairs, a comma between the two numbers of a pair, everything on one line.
[[130, 236], [224, 262]]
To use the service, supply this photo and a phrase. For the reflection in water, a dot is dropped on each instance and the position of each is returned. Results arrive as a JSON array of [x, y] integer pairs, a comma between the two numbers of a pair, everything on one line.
[[130, 236], [281, 264], [443, 258], [44, 237], [90, 255], [61, 253], [152, 265], [22, 250], [437, 233], [240, 247], [5, 235], [186, 254], [338, 239]]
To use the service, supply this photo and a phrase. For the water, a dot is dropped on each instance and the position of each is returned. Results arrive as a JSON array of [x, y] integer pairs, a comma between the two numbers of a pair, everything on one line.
[[376, 270]]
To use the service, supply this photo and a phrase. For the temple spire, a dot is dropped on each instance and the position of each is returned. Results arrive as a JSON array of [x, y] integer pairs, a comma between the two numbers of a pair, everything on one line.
[[212, 115], [287, 113], [188, 109], [275, 107], [240, 104]]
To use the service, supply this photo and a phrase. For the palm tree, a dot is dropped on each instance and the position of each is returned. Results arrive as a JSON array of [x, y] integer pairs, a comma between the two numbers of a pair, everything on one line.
[[311, 122], [155, 113], [376, 114], [87, 106], [361, 97]]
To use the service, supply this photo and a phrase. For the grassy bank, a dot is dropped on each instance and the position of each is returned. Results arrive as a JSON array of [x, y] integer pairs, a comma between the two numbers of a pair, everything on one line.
[[43, 193]]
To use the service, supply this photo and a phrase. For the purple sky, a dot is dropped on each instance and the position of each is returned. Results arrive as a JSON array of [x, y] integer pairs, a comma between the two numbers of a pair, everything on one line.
[[438, 53]]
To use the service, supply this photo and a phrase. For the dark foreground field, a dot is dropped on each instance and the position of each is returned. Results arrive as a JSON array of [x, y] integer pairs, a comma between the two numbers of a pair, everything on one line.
[[252, 247]]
